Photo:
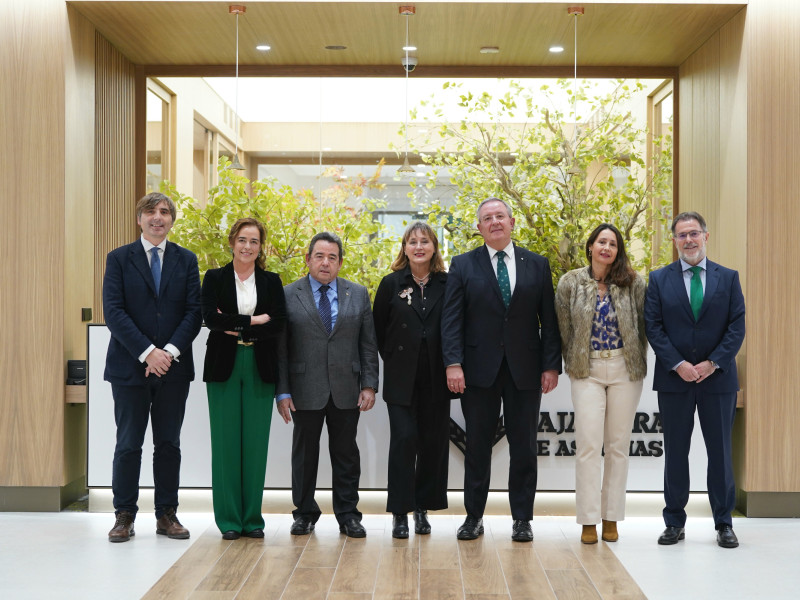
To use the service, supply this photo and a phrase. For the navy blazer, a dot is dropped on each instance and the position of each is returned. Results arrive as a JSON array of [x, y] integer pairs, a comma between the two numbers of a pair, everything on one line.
[[675, 335], [400, 328], [219, 292], [137, 317], [478, 330]]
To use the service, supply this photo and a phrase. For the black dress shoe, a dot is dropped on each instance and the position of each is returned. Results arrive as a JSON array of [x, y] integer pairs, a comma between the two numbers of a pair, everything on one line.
[[471, 529], [231, 535], [671, 535], [256, 533], [302, 526], [421, 524], [354, 529], [726, 538], [521, 531], [400, 526]]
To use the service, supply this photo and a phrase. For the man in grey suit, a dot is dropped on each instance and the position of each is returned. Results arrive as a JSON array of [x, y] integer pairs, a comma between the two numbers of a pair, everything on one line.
[[328, 372]]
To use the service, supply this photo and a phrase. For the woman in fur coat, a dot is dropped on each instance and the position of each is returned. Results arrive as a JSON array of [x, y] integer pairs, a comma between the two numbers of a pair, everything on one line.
[[601, 317]]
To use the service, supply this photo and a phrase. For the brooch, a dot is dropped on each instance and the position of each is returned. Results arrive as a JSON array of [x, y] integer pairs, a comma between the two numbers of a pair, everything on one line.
[[406, 293]]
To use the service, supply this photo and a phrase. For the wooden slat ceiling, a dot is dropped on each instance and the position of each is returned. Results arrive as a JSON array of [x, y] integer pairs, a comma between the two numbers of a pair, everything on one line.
[[447, 34]]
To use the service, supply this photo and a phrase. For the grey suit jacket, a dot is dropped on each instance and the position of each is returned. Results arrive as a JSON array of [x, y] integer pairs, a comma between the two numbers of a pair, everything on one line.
[[313, 366]]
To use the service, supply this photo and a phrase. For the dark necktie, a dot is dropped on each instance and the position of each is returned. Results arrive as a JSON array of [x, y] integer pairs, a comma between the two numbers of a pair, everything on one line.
[[325, 307], [696, 291], [155, 267], [502, 278]]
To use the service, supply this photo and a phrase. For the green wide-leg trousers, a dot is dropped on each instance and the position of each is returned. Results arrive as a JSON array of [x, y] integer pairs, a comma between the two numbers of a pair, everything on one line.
[[240, 412]]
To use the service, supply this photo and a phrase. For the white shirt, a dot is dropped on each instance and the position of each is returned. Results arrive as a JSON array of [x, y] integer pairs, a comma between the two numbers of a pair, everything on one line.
[[246, 297], [511, 264], [161, 247]]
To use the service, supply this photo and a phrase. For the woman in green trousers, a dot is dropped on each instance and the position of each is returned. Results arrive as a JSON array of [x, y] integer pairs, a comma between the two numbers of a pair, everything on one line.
[[245, 311]]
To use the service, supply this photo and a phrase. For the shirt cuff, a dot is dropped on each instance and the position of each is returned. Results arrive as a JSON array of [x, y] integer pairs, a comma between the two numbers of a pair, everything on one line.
[[675, 368], [280, 397], [143, 355], [173, 350]]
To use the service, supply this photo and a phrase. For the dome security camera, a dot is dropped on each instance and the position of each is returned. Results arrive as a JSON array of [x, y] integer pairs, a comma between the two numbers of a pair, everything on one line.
[[409, 63]]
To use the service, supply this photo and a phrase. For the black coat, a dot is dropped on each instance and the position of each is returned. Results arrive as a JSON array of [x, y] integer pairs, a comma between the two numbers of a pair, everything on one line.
[[221, 314], [478, 331], [400, 329]]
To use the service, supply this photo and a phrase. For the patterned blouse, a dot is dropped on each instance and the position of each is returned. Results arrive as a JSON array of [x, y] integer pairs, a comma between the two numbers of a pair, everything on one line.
[[605, 329]]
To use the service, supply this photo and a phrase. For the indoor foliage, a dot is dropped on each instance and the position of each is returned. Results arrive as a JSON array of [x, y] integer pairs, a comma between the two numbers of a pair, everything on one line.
[[291, 218], [560, 185]]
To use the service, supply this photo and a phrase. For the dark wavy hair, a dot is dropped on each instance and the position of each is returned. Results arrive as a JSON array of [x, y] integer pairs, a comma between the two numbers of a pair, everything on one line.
[[437, 264], [261, 261], [621, 273]]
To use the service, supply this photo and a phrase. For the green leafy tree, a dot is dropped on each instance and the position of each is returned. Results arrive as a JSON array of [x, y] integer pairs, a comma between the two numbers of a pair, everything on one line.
[[561, 182], [291, 218]]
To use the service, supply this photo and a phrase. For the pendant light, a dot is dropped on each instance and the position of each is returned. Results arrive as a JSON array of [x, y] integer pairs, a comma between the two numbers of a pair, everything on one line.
[[406, 168], [237, 9], [575, 11]]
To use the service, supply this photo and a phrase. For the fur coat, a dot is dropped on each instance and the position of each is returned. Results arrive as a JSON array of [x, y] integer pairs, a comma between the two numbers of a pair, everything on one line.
[[576, 297]]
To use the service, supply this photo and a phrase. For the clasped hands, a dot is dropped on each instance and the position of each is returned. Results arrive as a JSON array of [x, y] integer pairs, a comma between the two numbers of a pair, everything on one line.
[[254, 320], [158, 362], [695, 373]]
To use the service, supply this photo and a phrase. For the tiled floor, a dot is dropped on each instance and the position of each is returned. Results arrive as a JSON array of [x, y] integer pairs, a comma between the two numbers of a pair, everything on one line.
[[66, 555]]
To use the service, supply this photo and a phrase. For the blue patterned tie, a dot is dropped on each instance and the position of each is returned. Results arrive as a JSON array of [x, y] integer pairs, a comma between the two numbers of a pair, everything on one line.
[[502, 278], [325, 307], [155, 267], [696, 291]]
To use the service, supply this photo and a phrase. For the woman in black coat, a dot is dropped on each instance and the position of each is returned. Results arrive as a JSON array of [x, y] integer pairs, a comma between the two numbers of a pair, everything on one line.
[[244, 308], [407, 313]]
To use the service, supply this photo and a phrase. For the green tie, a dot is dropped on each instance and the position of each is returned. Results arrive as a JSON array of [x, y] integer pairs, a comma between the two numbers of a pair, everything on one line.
[[696, 291], [502, 278]]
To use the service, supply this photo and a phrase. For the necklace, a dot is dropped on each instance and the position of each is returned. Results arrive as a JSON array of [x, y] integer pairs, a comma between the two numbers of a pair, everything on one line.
[[421, 280]]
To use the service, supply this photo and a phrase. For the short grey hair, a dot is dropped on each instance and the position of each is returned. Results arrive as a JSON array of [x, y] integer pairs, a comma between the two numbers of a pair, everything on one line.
[[690, 216], [152, 200], [492, 199]]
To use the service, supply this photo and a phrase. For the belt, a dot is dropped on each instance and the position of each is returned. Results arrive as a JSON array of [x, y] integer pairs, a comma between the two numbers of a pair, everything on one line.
[[243, 343], [605, 353]]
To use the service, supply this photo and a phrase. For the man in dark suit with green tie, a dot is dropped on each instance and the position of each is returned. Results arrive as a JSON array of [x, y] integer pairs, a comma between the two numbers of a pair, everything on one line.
[[694, 317]]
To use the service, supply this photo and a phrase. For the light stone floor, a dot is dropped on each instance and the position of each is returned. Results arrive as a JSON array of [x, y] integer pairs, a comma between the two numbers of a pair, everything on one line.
[[66, 555]]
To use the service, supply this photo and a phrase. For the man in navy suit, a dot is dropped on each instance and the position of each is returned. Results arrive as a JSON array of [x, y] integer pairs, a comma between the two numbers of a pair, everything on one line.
[[694, 317], [151, 300], [500, 342]]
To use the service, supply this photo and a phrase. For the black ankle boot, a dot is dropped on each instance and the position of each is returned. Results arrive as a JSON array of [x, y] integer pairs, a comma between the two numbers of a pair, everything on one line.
[[421, 524], [399, 526]]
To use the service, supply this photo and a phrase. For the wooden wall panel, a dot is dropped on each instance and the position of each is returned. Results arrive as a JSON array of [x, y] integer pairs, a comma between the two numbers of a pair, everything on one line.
[[773, 213], [115, 195], [32, 203]]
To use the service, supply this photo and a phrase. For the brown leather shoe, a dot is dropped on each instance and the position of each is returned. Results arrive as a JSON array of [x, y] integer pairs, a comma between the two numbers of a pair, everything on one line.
[[610, 531], [589, 534], [169, 526], [123, 528]]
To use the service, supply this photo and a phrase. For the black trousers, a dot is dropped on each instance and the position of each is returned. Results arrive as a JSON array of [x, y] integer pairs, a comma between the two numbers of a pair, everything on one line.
[[345, 461], [481, 407], [163, 403], [419, 446]]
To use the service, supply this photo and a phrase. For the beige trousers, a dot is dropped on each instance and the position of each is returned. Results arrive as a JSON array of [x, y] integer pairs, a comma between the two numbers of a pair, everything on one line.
[[605, 405]]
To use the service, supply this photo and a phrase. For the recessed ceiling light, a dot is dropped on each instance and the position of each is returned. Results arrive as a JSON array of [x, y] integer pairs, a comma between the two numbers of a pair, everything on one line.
[[490, 50], [556, 49], [335, 47], [263, 47], [409, 48]]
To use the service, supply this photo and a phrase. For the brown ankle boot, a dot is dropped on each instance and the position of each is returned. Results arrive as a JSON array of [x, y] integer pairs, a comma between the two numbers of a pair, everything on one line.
[[589, 534], [610, 531]]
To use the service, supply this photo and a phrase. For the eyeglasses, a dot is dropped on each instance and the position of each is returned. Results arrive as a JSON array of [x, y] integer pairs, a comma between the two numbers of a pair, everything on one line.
[[500, 217], [688, 234]]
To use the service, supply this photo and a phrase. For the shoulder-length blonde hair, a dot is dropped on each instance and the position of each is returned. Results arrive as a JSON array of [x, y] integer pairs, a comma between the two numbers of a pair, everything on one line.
[[261, 261], [437, 264]]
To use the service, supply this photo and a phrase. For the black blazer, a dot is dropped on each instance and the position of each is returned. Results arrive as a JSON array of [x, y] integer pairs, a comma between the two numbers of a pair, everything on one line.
[[478, 330], [219, 292], [137, 317], [400, 329]]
